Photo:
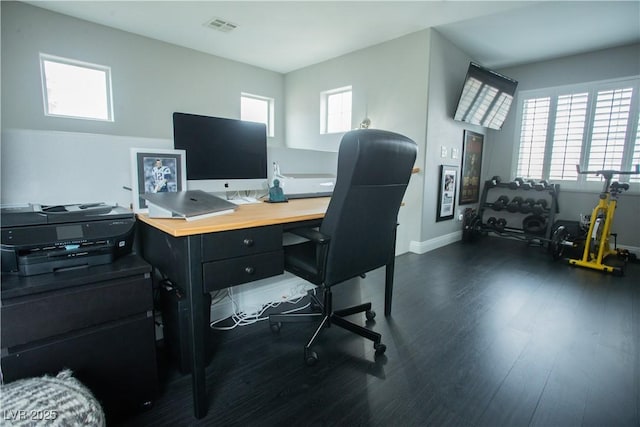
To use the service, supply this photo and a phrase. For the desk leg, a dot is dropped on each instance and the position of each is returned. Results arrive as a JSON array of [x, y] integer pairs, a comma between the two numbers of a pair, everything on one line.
[[197, 337]]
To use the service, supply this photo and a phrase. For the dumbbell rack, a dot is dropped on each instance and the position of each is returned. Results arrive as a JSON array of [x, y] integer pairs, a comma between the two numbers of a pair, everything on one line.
[[538, 214]]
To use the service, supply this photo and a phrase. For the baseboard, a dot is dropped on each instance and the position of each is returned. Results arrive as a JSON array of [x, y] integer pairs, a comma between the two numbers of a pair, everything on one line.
[[632, 249], [435, 243]]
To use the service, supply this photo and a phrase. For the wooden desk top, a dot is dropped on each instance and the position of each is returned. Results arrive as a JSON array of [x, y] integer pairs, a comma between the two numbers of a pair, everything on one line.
[[246, 216]]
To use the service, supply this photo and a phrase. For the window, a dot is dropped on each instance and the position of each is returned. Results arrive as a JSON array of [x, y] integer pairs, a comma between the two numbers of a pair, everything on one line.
[[592, 127], [259, 109], [76, 89], [335, 110]]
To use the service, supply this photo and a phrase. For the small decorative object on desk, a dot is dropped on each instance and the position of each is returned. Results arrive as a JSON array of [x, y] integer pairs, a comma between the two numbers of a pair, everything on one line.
[[276, 194]]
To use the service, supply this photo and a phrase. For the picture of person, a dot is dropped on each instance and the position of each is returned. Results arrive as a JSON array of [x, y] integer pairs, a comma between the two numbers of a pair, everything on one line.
[[449, 181], [160, 175]]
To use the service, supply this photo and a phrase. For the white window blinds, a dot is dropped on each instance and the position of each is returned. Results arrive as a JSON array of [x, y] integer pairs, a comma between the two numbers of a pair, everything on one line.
[[568, 135], [533, 137], [609, 130]]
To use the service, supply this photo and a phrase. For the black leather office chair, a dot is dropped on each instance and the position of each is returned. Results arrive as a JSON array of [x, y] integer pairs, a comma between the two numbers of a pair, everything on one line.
[[358, 232]]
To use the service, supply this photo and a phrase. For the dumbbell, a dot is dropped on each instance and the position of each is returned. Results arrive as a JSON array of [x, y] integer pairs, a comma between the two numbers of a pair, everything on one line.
[[494, 181], [501, 224], [541, 185], [500, 203], [526, 185], [527, 206], [539, 206], [514, 205], [491, 222], [516, 183]]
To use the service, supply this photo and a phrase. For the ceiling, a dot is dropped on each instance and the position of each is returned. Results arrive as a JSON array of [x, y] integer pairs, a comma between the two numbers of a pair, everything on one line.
[[284, 36]]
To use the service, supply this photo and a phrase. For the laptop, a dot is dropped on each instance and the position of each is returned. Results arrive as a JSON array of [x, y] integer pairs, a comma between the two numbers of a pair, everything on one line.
[[189, 205]]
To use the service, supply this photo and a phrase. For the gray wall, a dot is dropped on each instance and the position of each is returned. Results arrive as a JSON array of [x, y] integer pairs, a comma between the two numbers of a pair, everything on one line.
[[389, 84], [599, 65], [447, 69]]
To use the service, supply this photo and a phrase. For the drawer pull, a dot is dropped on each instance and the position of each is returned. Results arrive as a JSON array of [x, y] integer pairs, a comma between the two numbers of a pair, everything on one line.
[[249, 270], [248, 242]]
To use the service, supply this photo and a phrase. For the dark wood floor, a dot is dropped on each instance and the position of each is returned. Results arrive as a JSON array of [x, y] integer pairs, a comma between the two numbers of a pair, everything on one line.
[[493, 333]]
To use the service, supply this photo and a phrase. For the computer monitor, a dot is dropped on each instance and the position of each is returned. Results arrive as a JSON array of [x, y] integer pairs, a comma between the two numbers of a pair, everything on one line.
[[222, 154]]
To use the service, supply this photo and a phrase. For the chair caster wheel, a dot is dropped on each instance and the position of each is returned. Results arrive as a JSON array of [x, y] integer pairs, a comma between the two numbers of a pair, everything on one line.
[[311, 358], [380, 348], [370, 314], [275, 327]]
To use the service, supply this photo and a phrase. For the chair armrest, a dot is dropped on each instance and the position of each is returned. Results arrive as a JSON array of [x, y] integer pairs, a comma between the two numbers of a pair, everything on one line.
[[311, 234]]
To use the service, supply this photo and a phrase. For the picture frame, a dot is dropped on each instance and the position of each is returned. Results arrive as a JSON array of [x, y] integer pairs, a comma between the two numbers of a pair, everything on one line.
[[156, 170], [472, 146], [447, 192]]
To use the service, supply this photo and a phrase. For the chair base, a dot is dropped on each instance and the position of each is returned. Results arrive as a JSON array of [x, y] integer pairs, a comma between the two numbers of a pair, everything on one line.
[[328, 317]]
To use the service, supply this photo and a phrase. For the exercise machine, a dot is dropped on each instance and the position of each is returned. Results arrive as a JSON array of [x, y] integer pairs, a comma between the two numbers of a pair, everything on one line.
[[596, 243]]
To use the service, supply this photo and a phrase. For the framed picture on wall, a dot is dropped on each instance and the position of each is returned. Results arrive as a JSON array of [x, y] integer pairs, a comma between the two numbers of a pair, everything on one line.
[[447, 192], [471, 164], [156, 171]]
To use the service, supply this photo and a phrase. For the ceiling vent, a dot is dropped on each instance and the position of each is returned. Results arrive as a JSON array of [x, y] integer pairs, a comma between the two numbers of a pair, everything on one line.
[[221, 25]]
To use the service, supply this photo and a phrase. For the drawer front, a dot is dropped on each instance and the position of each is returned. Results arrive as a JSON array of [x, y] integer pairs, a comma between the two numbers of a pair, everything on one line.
[[235, 271], [48, 314], [235, 243], [116, 360]]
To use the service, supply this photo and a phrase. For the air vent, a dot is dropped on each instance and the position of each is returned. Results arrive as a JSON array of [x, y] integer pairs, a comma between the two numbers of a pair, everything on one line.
[[221, 25]]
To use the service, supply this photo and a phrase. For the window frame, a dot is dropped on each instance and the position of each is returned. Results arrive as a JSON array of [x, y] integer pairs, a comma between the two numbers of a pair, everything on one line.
[[632, 136], [45, 57], [270, 110], [324, 109]]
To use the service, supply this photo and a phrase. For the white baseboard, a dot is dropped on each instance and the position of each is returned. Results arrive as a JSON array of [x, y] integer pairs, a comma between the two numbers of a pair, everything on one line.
[[632, 249], [435, 243]]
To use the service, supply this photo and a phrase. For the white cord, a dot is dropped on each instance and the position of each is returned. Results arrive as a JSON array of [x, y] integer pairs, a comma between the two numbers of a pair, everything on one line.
[[242, 319]]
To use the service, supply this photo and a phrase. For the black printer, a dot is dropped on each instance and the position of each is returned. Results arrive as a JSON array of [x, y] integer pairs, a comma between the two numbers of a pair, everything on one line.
[[39, 239]]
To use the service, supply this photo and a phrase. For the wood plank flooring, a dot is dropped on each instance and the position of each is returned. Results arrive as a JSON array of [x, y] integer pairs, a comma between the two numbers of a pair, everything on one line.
[[486, 334]]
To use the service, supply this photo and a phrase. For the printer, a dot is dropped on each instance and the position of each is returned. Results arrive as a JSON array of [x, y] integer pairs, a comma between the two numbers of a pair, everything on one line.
[[39, 239]]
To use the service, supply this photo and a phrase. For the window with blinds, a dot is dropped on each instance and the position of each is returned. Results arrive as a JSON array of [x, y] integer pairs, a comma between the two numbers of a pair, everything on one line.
[[568, 135], [533, 137], [636, 153], [591, 127], [609, 130]]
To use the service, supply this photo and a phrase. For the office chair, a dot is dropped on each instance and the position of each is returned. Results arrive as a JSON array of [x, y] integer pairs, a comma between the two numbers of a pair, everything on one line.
[[358, 232]]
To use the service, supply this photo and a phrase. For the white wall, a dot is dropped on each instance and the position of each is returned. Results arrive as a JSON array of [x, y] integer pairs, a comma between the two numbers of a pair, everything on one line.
[[60, 160], [599, 65], [389, 84]]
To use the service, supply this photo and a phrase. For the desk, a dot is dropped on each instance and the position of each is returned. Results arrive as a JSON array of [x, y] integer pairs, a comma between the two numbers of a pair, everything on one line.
[[223, 251]]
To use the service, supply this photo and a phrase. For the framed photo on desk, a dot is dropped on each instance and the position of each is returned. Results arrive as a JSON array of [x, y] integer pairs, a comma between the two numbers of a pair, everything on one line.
[[156, 171]]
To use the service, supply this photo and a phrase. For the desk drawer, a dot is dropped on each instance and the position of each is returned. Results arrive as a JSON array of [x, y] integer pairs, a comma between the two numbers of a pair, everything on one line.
[[235, 243], [235, 271]]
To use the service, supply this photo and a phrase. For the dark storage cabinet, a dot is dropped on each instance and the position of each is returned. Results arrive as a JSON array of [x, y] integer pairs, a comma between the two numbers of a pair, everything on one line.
[[96, 321]]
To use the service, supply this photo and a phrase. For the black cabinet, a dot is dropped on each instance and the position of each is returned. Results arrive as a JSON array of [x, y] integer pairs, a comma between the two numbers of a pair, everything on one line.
[[96, 321]]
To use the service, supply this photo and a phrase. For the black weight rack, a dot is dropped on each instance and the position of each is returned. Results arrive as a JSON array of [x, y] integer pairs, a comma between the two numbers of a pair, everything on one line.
[[519, 209]]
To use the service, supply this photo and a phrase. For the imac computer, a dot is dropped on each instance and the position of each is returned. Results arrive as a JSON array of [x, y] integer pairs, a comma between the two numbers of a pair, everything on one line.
[[222, 154]]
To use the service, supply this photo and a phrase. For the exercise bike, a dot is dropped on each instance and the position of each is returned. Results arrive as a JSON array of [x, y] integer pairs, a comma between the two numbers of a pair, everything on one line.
[[596, 242]]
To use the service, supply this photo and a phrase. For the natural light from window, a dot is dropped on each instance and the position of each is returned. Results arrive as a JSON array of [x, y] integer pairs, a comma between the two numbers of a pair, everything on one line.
[[259, 109], [335, 110], [75, 89]]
